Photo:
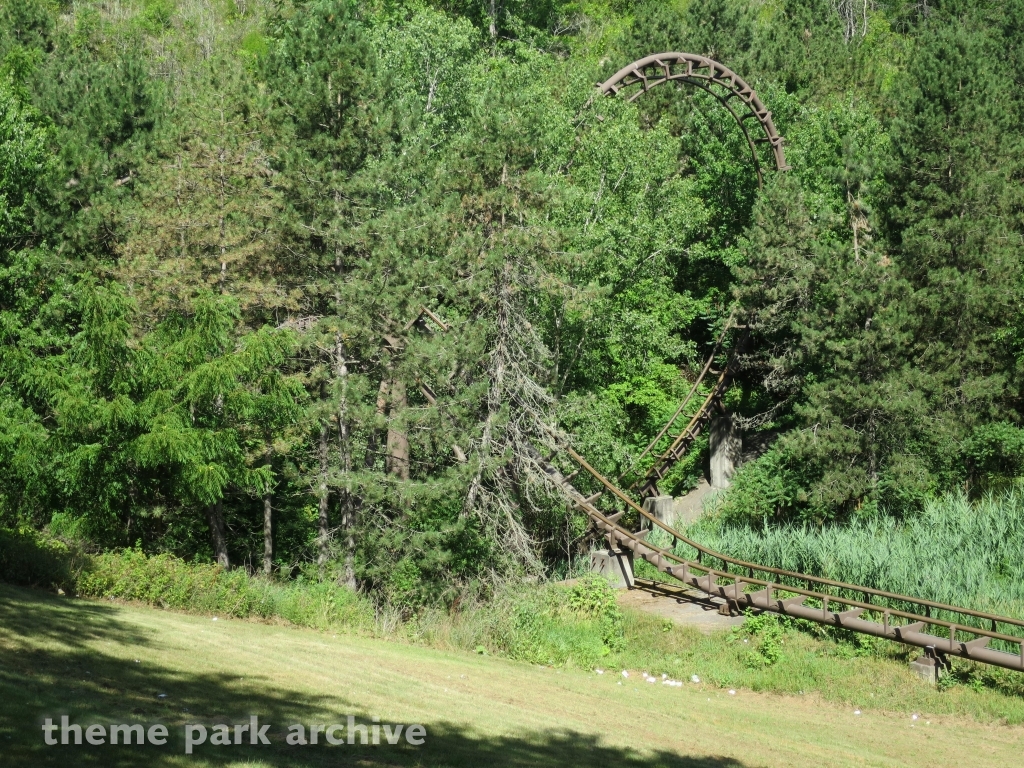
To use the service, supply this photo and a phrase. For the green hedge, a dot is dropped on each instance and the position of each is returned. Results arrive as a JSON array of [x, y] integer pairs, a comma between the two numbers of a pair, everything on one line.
[[170, 582], [576, 626]]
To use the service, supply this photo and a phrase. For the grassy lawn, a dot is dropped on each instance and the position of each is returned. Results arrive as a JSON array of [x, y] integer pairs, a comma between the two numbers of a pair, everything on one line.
[[858, 672], [105, 663]]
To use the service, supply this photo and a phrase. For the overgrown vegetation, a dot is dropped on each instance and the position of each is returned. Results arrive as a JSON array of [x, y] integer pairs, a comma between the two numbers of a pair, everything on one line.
[[953, 551], [168, 582], [32, 560]]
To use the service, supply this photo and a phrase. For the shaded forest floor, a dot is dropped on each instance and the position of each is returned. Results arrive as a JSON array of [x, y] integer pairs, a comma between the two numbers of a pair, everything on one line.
[[109, 663]]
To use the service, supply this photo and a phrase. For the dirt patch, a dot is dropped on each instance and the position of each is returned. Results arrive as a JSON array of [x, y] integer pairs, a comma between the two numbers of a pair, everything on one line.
[[685, 607]]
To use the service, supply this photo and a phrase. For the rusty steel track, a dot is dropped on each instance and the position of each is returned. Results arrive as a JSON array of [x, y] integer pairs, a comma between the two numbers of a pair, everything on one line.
[[741, 584], [633, 81], [648, 484]]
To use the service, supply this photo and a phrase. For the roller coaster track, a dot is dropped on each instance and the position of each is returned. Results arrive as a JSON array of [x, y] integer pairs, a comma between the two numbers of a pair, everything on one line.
[[746, 585], [648, 484], [731, 91], [743, 585]]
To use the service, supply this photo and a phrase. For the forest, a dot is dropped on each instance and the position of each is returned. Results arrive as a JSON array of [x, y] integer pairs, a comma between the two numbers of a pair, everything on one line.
[[307, 286]]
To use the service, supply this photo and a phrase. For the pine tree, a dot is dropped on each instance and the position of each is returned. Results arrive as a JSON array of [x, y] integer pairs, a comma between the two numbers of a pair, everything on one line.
[[955, 230], [203, 216]]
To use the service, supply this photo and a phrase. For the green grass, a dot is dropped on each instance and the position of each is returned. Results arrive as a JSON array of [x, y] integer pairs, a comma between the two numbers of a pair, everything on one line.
[[799, 658], [958, 552], [768, 654], [103, 662], [579, 627]]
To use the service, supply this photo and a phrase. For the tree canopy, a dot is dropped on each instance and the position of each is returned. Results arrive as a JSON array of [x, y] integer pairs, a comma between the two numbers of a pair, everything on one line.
[[306, 282]]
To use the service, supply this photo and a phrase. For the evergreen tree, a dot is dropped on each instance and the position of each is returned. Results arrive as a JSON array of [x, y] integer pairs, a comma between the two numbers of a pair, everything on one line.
[[956, 231], [204, 212]]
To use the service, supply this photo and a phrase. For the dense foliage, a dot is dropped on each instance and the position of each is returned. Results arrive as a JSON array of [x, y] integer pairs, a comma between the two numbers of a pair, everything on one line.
[[952, 552], [308, 281]]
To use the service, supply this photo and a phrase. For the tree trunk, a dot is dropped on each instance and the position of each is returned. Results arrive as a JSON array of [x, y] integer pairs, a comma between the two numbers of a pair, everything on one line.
[[268, 530], [373, 440], [349, 503], [397, 461], [322, 521], [268, 535], [215, 517]]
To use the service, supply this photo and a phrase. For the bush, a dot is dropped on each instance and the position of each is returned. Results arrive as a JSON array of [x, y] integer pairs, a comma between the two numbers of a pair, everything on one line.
[[32, 559], [767, 630], [593, 597], [170, 582], [554, 625], [538, 627]]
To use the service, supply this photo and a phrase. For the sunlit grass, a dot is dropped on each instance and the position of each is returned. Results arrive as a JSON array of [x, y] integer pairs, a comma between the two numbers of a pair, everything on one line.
[[966, 554], [103, 662]]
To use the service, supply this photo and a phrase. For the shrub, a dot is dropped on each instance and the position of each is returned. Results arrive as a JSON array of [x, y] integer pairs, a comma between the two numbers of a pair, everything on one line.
[[170, 582], [767, 630], [32, 559], [592, 596], [553, 624]]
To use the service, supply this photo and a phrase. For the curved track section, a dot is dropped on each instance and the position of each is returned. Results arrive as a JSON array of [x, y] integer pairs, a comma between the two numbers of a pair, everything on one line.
[[681, 443], [942, 630], [730, 89]]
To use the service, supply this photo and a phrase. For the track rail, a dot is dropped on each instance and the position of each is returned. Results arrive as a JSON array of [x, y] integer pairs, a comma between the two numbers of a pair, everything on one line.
[[636, 79], [648, 484], [788, 593]]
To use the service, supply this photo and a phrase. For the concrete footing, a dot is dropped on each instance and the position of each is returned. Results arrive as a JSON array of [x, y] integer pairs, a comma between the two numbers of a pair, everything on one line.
[[929, 666], [616, 565], [925, 668], [661, 507], [726, 448]]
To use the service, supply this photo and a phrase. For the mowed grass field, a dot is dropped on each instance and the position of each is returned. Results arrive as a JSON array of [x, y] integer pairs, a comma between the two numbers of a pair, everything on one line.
[[108, 663]]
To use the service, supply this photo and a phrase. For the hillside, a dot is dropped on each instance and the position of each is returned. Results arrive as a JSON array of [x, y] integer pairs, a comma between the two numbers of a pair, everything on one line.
[[305, 286], [336, 336], [110, 663]]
